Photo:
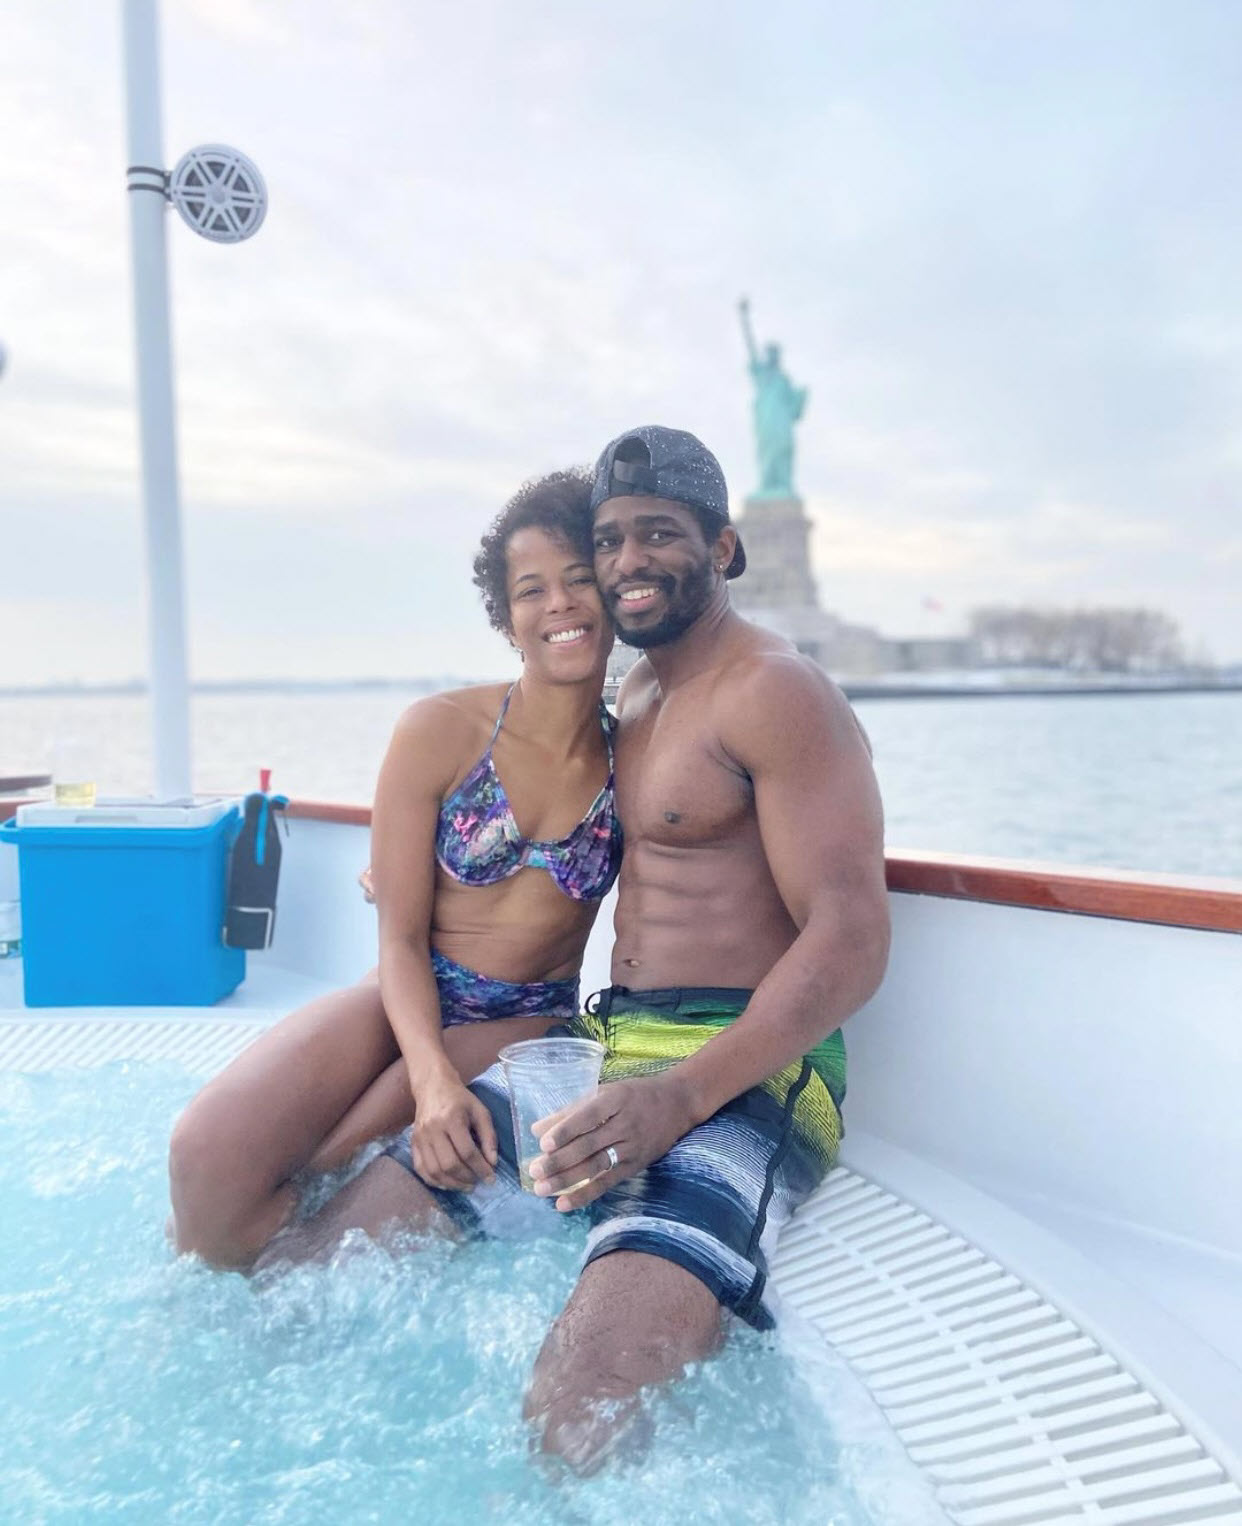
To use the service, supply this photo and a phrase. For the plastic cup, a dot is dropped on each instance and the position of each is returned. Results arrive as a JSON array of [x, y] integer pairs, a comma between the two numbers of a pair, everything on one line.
[[73, 773], [545, 1075]]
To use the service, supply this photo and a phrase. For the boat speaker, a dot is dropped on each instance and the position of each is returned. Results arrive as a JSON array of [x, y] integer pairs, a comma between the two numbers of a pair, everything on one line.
[[219, 192]]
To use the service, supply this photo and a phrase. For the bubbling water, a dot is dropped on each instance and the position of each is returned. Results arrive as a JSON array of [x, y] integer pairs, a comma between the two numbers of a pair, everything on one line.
[[137, 1387]]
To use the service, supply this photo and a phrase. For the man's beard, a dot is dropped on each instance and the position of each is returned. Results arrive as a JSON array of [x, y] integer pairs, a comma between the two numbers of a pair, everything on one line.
[[686, 601]]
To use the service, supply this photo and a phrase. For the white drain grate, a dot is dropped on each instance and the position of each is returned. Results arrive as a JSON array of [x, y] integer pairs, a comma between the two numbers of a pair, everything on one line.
[[1017, 1417], [1015, 1414]]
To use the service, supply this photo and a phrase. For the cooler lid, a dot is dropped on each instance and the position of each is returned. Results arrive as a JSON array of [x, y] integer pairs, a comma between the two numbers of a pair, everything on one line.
[[121, 811]]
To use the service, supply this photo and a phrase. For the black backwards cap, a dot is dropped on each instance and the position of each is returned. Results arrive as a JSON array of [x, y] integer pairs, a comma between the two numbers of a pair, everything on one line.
[[655, 462]]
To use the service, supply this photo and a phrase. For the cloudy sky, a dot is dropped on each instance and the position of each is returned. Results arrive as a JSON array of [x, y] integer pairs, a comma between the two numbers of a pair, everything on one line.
[[999, 242]]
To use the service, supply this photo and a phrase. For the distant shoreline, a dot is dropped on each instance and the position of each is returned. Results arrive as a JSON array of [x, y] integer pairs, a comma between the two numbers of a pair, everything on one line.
[[853, 688], [135, 686], [1026, 690]]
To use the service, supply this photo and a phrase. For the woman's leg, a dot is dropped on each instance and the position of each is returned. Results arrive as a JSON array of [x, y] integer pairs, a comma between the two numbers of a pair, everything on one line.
[[384, 1108], [249, 1130]]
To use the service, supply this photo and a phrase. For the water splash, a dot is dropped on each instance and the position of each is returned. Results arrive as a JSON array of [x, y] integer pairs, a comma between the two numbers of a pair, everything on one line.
[[140, 1388]]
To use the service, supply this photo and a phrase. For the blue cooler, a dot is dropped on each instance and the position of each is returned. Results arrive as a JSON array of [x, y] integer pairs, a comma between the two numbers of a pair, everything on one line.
[[123, 903]]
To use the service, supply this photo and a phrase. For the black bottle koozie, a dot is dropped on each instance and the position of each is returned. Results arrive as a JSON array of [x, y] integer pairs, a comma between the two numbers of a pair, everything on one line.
[[254, 869]]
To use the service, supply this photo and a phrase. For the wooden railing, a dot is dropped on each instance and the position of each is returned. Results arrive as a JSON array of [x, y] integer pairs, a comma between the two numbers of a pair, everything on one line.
[[1174, 900], [1129, 896]]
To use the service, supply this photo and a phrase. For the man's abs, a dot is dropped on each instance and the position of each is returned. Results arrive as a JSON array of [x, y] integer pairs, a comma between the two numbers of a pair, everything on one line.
[[703, 916]]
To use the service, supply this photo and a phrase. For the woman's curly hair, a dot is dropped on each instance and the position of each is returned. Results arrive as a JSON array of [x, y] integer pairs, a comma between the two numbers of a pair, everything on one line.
[[559, 504]]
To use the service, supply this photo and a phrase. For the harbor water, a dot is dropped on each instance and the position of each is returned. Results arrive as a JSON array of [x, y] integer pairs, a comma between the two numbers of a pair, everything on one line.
[[1139, 781]]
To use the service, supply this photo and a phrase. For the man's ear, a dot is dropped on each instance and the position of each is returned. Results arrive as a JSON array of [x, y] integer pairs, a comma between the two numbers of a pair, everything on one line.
[[723, 547]]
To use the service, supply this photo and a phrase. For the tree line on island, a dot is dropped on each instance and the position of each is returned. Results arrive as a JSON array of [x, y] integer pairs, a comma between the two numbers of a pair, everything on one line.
[[1081, 640]]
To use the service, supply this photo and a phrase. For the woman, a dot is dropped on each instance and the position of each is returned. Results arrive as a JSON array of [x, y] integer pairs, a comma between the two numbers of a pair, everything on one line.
[[494, 837]]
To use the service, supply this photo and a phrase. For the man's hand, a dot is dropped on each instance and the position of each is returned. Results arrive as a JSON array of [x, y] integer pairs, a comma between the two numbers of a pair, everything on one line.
[[638, 1120], [453, 1141]]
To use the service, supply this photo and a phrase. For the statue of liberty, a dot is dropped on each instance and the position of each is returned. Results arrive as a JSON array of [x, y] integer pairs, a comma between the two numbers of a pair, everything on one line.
[[778, 407]]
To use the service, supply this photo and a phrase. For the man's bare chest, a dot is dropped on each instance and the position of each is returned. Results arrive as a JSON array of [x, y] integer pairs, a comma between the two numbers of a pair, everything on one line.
[[676, 785]]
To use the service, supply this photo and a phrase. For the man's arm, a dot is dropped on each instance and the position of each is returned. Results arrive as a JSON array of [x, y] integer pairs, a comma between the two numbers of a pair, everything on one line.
[[818, 808]]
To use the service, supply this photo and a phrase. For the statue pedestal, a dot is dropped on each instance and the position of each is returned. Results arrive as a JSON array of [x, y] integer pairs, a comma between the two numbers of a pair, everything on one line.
[[778, 591], [775, 532]]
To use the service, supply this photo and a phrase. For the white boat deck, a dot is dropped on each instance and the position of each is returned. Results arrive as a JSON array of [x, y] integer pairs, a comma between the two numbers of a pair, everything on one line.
[[1038, 1366]]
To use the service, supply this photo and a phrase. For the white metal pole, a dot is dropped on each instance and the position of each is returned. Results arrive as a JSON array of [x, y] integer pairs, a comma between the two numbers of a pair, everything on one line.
[[170, 691]]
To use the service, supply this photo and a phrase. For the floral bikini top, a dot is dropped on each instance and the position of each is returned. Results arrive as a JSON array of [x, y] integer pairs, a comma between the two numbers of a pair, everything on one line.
[[478, 841]]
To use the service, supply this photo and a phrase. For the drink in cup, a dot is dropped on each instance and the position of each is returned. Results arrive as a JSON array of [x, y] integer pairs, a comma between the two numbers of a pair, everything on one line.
[[545, 1075], [73, 773]]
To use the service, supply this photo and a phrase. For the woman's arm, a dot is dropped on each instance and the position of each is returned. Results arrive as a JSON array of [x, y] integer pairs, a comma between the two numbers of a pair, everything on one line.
[[453, 1143]]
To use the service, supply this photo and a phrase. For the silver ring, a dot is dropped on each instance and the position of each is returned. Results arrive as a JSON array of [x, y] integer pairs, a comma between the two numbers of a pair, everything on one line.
[[613, 1161]]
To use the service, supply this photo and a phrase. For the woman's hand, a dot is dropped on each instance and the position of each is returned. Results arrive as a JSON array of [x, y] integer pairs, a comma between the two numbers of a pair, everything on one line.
[[453, 1141]]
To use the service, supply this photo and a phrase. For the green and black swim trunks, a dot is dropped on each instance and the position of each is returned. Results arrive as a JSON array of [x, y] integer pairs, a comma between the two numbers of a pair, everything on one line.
[[718, 1200]]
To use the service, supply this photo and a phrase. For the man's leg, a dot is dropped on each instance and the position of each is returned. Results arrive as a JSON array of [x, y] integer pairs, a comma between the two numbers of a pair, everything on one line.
[[633, 1319], [383, 1200]]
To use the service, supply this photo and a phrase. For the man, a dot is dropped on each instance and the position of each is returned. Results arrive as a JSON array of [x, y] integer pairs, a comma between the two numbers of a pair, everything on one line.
[[751, 922]]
